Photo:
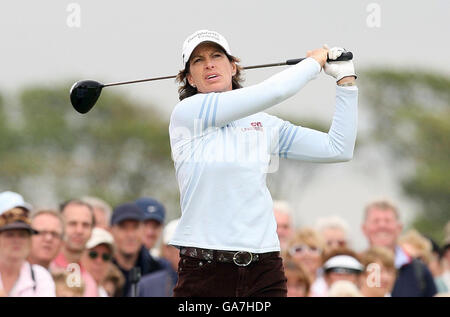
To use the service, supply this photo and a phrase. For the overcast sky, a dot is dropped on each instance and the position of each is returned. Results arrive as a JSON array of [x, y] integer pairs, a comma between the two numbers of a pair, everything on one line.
[[124, 40]]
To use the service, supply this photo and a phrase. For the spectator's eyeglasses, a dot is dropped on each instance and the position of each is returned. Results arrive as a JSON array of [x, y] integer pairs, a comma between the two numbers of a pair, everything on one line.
[[105, 256], [53, 234], [303, 248]]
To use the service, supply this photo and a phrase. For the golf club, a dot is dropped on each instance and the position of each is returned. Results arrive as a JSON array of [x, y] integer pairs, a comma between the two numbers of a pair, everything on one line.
[[85, 93]]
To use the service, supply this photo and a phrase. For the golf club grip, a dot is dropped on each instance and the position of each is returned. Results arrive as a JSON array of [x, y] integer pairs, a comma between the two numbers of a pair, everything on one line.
[[346, 56]]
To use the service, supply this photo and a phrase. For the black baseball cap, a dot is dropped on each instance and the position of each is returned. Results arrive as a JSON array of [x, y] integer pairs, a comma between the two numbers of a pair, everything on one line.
[[126, 211]]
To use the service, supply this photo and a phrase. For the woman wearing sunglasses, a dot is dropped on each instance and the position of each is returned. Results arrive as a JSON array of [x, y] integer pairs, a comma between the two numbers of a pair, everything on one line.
[[97, 257], [306, 249]]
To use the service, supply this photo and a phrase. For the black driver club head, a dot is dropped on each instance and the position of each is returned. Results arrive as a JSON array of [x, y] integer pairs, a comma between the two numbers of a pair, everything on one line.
[[84, 94]]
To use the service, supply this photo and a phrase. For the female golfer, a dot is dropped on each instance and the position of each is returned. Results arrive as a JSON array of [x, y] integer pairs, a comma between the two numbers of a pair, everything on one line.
[[222, 143]]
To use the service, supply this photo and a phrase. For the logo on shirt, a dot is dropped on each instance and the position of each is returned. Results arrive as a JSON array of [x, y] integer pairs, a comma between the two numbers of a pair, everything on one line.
[[254, 126]]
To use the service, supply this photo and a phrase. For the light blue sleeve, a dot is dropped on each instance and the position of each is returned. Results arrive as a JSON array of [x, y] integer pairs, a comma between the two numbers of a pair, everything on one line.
[[203, 111], [300, 143]]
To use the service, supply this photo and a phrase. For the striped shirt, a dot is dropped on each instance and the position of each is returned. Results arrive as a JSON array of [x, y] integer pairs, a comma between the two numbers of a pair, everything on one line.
[[223, 146]]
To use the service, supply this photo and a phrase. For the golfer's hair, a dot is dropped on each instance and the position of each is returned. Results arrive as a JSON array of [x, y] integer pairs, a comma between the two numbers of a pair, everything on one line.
[[186, 90], [381, 205]]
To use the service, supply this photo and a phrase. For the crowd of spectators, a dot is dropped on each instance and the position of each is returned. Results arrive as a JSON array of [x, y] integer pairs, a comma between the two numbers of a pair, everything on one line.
[[320, 262], [86, 248]]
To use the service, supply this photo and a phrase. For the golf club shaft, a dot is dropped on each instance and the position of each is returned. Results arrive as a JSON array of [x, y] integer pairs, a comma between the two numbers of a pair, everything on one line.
[[174, 76], [138, 81], [345, 56], [288, 62]]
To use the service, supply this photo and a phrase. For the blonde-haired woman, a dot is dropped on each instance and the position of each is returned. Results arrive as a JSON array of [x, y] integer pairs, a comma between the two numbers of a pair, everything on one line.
[[306, 248]]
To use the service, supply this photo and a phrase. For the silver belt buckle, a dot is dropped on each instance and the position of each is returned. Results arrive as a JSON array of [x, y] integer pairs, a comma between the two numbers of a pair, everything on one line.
[[235, 258]]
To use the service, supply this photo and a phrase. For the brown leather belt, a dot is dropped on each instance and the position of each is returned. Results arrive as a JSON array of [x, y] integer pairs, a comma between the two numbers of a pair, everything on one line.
[[240, 258]]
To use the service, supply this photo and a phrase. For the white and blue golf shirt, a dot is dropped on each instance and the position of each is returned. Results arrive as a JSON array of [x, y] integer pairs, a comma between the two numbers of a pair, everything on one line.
[[223, 146]]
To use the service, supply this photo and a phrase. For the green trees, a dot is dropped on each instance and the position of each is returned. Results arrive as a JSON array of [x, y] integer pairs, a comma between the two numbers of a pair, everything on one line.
[[118, 151], [411, 116]]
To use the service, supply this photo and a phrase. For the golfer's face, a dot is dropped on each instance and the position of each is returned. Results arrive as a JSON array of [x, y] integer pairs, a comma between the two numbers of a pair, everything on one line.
[[210, 69]]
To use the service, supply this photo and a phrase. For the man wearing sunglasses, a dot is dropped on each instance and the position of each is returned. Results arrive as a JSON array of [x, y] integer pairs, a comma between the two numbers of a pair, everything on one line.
[[97, 258]]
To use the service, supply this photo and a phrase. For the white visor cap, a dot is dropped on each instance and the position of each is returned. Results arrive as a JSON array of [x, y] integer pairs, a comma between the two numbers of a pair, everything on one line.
[[199, 37], [343, 262]]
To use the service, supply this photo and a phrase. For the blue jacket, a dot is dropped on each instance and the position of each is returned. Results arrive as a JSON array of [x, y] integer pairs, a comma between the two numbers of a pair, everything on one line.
[[145, 262], [414, 279], [168, 267], [156, 284]]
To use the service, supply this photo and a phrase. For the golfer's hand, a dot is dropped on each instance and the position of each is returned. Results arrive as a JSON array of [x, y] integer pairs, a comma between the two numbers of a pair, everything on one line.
[[320, 55], [340, 69]]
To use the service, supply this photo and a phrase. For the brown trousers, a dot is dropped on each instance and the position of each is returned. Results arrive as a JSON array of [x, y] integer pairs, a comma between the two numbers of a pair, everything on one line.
[[201, 278]]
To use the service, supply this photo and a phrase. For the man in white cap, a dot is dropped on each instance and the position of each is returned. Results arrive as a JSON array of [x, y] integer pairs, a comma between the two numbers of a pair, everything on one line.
[[97, 258]]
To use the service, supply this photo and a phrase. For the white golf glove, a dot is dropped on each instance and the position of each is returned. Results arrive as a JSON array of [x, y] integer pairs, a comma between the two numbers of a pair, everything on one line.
[[338, 69]]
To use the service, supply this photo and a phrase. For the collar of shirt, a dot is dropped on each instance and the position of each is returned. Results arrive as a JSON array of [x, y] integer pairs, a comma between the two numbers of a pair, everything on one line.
[[23, 283], [61, 262], [401, 257]]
